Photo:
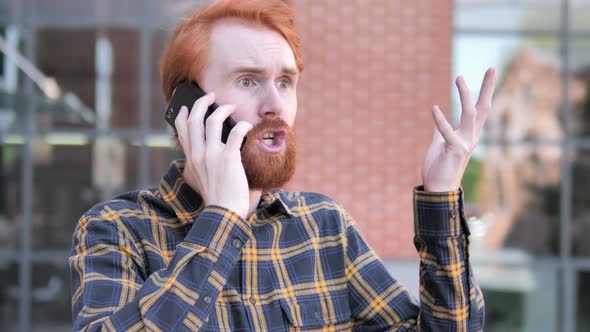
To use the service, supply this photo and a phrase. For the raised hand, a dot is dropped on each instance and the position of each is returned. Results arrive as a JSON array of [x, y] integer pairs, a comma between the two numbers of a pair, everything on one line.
[[212, 168], [451, 148]]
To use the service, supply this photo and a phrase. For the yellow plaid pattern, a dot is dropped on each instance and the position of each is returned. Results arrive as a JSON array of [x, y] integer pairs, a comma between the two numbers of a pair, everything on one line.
[[159, 260]]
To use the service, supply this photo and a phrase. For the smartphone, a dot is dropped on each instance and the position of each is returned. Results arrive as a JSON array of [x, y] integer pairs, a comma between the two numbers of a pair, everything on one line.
[[185, 94]]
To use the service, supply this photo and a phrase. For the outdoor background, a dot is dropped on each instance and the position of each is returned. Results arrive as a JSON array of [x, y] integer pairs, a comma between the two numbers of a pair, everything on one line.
[[373, 71]]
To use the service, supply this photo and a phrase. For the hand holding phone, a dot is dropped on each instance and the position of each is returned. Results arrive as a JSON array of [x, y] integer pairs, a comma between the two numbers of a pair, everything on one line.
[[212, 169], [185, 94]]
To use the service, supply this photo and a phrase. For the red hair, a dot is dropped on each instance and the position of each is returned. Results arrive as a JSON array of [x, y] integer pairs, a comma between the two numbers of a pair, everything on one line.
[[186, 55]]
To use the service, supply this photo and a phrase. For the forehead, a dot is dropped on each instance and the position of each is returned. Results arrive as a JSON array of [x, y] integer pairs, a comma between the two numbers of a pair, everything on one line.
[[237, 44]]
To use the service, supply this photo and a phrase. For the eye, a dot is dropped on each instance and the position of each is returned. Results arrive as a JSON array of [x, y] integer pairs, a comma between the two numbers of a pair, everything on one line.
[[283, 84], [245, 82]]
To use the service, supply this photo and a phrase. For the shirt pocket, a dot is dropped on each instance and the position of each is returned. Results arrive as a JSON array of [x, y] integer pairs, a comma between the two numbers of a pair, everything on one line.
[[310, 314]]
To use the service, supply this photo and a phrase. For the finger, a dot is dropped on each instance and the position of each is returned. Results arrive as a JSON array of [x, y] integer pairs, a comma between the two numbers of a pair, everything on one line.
[[488, 86], [181, 129], [436, 135], [237, 134], [196, 129], [444, 127], [214, 124], [484, 102], [467, 124]]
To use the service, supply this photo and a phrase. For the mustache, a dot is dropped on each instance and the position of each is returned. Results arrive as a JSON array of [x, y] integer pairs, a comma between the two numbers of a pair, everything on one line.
[[266, 171], [268, 124]]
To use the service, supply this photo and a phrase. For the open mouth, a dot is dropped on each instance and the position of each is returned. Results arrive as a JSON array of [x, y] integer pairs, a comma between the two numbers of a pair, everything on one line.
[[272, 140]]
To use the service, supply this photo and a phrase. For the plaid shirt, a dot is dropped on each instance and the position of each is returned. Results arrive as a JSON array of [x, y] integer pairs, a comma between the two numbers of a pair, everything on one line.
[[158, 260]]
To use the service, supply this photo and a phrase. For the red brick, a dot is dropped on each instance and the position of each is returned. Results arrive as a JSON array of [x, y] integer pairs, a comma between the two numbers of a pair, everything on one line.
[[373, 71]]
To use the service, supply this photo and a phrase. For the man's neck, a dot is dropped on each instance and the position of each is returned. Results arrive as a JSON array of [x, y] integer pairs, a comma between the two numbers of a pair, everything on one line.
[[254, 200]]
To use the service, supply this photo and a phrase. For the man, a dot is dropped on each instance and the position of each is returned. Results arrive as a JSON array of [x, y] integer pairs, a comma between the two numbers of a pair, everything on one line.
[[218, 247]]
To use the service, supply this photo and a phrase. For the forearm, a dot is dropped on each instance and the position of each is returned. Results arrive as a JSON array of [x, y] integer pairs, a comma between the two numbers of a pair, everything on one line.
[[449, 295], [108, 293]]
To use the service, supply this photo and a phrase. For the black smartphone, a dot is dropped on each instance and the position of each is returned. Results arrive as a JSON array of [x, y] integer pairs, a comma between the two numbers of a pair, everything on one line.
[[185, 94]]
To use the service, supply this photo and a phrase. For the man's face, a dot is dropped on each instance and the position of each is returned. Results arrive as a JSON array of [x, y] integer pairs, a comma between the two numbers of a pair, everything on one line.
[[254, 68]]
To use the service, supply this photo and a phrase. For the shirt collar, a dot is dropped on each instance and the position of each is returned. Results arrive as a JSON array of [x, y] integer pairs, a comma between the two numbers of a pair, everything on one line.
[[187, 203], [276, 200]]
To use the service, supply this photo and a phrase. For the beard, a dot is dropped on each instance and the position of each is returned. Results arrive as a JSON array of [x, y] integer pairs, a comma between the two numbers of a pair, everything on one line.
[[269, 170]]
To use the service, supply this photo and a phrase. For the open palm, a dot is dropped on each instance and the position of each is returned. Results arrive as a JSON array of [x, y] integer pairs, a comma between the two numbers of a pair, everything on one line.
[[451, 148]]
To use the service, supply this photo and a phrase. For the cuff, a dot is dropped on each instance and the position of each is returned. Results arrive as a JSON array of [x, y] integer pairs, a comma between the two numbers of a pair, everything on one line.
[[439, 214]]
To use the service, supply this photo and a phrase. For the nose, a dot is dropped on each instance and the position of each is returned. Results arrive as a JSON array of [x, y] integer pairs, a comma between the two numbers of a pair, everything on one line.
[[271, 103]]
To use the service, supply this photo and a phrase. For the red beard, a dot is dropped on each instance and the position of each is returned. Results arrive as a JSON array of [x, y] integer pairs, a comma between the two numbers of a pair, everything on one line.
[[266, 170]]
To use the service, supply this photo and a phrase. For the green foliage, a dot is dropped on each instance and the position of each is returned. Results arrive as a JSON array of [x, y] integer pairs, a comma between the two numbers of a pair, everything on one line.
[[8, 156], [471, 179]]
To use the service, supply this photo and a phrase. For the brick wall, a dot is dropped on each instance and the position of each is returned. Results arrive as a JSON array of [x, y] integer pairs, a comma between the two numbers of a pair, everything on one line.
[[373, 71]]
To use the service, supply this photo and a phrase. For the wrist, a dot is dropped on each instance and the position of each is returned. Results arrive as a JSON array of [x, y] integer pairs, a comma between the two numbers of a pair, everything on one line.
[[440, 188]]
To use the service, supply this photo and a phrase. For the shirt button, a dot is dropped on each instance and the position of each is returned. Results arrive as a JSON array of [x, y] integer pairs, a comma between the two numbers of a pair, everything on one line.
[[207, 299], [452, 213], [317, 316], [252, 300], [236, 243]]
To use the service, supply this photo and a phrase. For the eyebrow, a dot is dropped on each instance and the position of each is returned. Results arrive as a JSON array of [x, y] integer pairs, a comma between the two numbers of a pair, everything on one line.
[[259, 71]]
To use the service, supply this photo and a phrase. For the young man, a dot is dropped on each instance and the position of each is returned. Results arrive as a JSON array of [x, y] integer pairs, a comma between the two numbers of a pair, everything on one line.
[[217, 246]]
